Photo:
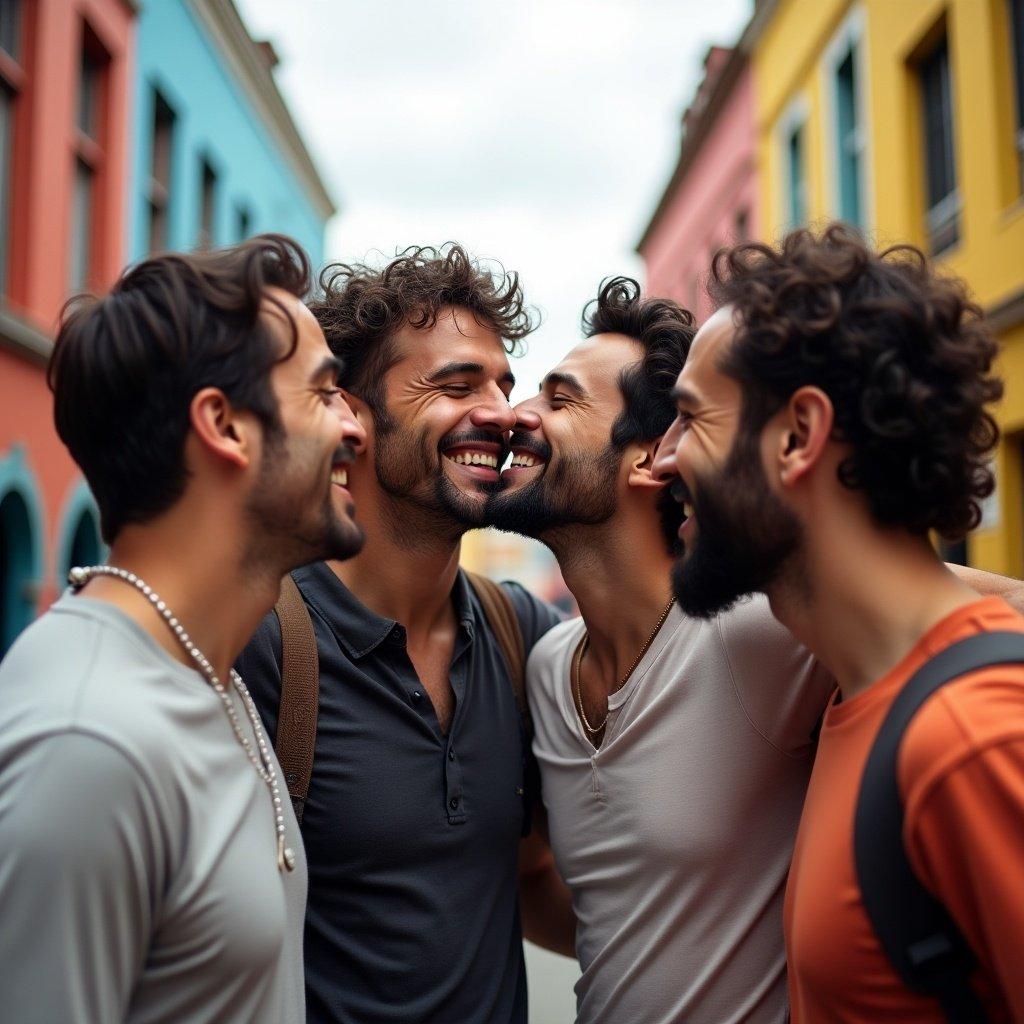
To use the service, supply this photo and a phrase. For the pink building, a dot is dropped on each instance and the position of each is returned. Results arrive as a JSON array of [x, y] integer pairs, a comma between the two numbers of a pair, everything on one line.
[[711, 198]]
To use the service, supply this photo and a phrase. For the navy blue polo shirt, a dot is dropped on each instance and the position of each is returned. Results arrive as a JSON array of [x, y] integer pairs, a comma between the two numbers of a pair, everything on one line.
[[411, 835]]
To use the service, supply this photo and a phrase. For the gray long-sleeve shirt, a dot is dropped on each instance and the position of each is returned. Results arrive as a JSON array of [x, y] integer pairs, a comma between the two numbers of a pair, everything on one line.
[[138, 863]]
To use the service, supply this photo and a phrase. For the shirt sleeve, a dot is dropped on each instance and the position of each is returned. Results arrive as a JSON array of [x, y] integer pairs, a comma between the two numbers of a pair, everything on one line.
[[259, 665], [781, 686], [82, 868], [964, 839], [536, 617]]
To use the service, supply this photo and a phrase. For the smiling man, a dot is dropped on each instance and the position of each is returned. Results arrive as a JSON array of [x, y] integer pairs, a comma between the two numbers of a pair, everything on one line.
[[420, 785], [149, 870], [832, 414]]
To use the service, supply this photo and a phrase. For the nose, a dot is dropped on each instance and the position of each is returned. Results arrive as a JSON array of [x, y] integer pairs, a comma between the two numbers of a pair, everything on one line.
[[526, 418], [665, 469], [353, 433], [495, 414]]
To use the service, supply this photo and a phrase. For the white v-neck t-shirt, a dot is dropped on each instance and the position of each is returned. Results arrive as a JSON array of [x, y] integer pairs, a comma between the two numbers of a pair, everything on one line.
[[675, 836]]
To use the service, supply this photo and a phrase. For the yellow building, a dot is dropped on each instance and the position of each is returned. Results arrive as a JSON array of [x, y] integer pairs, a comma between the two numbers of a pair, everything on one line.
[[905, 117]]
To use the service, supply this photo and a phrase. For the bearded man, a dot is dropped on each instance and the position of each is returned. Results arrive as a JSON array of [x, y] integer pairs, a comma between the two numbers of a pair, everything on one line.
[[421, 783]]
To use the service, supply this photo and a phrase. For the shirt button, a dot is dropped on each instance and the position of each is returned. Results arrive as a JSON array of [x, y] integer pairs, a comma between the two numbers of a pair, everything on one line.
[[453, 803], [416, 695], [451, 755]]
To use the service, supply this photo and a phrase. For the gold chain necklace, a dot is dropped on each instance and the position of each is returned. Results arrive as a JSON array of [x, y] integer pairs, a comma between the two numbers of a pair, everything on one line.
[[574, 672]]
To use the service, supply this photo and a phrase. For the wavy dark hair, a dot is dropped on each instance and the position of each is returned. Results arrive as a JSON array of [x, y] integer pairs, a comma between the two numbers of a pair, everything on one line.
[[664, 330], [126, 366], [901, 351], [362, 307]]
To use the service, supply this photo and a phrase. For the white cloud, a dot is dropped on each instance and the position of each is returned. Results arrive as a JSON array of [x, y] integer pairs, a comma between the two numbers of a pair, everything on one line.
[[540, 133]]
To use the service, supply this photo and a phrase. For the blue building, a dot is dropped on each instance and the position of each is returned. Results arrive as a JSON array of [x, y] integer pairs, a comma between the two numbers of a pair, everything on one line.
[[216, 156]]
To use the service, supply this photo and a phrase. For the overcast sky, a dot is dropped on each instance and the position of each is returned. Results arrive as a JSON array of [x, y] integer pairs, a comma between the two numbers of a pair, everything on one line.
[[536, 132]]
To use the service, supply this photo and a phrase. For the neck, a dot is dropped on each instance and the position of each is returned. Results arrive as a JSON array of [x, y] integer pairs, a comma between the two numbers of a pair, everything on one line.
[[203, 580], [618, 572], [865, 599], [406, 575]]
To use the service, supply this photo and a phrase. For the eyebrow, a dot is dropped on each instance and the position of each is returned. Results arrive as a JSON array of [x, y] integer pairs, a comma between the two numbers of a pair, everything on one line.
[[683, 396], [329, 366], [453, 369], [567, 380]]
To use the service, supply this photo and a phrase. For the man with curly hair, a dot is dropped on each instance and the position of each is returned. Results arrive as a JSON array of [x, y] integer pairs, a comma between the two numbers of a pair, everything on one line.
[[831, 415], [421, 781]]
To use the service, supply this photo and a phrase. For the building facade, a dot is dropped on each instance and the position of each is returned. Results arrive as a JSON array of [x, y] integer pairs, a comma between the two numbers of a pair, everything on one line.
[[124, 128], [907, 119], [711, 199]]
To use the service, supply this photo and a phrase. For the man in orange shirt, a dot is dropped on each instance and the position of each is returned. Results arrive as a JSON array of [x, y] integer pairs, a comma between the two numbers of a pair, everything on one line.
[[831, 416]]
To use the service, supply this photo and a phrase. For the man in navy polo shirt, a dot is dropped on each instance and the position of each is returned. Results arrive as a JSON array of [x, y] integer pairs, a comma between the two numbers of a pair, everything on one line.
[[420, 788]]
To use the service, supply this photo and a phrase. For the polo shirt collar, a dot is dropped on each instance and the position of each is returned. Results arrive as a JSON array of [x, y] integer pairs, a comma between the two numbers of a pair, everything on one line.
[[360, 630]]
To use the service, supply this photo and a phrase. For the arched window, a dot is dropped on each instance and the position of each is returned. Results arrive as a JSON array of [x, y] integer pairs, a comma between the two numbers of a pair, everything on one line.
[[20, 547], [78, 540]]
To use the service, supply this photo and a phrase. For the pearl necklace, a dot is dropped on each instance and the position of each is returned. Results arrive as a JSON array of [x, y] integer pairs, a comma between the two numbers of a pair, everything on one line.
[[260, 758]]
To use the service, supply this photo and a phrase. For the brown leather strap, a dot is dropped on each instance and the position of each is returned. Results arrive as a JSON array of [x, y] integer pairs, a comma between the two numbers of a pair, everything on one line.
[[504, 622], [300, 681]]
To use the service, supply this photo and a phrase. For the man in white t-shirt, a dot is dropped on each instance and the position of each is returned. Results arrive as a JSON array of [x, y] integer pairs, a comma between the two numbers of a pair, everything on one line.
[[674, 753]]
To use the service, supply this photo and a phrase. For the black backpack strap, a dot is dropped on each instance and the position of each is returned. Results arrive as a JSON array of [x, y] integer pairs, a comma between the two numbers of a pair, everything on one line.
[[917, 932]]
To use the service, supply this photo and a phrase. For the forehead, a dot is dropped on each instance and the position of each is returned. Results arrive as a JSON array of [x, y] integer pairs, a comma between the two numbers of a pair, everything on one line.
[[701, 374], [597, 363], [311, 347], [457, 337]]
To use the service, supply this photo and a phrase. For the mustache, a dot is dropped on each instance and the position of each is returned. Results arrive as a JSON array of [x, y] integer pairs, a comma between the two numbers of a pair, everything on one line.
[[524, 442], [467, 437], [343, 455]]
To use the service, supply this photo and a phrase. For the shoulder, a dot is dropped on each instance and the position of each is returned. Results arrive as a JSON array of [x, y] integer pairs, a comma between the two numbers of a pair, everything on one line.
[[536, 617], [781, 686], [548, 657]]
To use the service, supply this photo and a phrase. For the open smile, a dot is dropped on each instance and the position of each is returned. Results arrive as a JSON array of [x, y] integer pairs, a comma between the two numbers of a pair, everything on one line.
[[681, 493], [526, 460], [477, 459]]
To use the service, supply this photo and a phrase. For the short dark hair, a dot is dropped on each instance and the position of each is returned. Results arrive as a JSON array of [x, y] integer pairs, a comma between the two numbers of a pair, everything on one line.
[[902, 352], [126, 366], [362, 308], [664, 330]]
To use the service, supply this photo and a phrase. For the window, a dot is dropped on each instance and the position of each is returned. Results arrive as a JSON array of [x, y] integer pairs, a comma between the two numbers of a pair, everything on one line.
[[849, 140], [17, 557], [207, 204], [796, 182], [88, 161], [243, 222], [160, 173], [1017, 44], [942, 199], [741, 229], [12, 82]]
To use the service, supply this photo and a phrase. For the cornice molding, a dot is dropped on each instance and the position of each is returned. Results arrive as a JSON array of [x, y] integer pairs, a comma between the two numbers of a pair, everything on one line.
[[249, 67]]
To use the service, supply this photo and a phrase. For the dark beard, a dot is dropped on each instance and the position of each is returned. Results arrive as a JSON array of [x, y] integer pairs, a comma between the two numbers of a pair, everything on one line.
[[409, 468], [578, 490], [745, 536], [289, 531]]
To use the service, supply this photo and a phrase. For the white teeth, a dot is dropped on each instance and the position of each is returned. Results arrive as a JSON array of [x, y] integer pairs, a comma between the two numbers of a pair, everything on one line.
[[475, 459], [524, 460], [340, 477]]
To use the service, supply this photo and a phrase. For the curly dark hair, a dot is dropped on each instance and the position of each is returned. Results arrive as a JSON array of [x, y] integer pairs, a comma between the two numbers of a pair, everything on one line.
[[126, 366], [362, 307], [664, 330], [902, 352]]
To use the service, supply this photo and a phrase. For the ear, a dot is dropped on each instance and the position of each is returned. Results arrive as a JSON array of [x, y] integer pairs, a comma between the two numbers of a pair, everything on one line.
[[806, 430], [641, 462], [224, 431]]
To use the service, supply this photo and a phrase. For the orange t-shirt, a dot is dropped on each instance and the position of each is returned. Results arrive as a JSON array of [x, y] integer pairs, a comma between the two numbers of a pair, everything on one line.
[[961, 776]]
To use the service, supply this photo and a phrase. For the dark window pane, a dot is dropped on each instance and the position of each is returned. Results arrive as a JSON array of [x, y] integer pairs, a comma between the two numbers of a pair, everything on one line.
[[848, 139], [207, 210], [10, 27], [797, 186], [942, 199], [160, 173], [244, 223], [742, 229], [1017, 42], [89, 95], [81, 226]]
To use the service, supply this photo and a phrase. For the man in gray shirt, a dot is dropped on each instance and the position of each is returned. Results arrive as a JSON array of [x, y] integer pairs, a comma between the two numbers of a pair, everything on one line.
[[150, 869]]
